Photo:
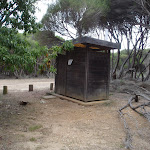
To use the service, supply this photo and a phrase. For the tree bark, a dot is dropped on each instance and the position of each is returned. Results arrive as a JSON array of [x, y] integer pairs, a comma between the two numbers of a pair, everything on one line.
[[117, 64], [147, 77]]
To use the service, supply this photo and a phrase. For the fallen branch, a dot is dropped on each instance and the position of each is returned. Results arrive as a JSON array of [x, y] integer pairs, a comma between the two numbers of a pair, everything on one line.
[[128, 140], [143, 112], [145, 90], [145, 96]]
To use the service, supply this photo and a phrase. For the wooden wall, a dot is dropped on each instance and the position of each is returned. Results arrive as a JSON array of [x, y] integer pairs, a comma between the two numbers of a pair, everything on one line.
[[60, 77], [87, 77], [75, 83], [98, 75]]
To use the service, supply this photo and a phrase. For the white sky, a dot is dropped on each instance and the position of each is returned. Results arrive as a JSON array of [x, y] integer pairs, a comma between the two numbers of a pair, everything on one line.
[[42, 6]]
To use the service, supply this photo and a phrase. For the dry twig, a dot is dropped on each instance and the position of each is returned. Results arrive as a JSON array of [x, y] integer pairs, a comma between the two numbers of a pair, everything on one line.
[[143, 111]]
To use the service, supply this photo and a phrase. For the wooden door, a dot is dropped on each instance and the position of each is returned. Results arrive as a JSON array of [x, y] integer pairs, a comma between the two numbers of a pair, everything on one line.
[[60, 78]]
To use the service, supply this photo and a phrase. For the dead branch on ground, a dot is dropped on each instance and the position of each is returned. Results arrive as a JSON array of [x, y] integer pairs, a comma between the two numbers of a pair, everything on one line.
[[140, 107]]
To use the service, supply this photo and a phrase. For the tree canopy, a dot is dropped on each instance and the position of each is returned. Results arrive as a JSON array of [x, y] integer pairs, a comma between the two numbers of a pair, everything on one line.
[[81, 16], [19, 54], [85, 16], [18, 14]]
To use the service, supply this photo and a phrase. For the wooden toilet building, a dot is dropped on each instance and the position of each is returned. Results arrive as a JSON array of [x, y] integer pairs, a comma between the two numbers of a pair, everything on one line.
[[84, 73]]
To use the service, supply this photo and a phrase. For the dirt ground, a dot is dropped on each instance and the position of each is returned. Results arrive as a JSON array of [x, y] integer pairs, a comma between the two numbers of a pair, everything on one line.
[[57, 124]]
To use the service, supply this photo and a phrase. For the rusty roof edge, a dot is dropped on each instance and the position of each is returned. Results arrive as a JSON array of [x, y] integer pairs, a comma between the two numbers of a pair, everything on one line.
[[89, 40]]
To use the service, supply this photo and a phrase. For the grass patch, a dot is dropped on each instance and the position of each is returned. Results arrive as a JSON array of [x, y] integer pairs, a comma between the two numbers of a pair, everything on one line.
[[122, 82], [38, 148], [34, 128], [110, 103], [122, 146], [33, 139], [142, 115], [21, 135]]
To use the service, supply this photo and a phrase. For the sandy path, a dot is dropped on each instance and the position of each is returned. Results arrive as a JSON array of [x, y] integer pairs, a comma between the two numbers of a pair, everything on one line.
[[15, 85], [57, 124]]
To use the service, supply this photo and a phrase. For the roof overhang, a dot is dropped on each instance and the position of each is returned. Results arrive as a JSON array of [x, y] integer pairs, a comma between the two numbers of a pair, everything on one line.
[[95, 43]]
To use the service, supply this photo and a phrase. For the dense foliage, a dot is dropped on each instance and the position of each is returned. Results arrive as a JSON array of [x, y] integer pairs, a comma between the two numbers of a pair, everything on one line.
[[18, 14], [20, 55]]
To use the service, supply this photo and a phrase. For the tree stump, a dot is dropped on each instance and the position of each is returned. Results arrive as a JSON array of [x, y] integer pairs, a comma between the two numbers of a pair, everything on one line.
[[30, 87], [5, 90], [51, 86]]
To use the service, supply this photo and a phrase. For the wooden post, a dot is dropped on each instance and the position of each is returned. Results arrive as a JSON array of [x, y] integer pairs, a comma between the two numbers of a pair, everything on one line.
[[5, 90], [30, 87], [51, 86], [136, 98]]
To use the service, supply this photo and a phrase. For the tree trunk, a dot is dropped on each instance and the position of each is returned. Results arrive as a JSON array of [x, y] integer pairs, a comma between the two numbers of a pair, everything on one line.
[[122, 67], [147, 77], [133, 63], [117, 64], [128, 52]]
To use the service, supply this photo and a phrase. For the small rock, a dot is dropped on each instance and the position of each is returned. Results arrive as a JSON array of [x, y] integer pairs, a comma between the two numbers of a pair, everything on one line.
[[23, 103], [32, 118], [7, 106], [106, 128], [6, 125], [49, 97], [1, 103], [42, 102], [103, 142]]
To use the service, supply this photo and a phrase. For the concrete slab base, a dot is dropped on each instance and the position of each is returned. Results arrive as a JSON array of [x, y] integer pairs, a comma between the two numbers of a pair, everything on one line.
[[49, 97], [80, 102]]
